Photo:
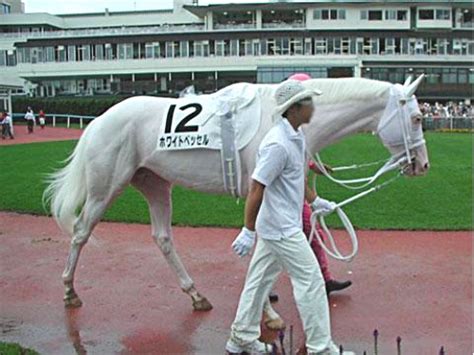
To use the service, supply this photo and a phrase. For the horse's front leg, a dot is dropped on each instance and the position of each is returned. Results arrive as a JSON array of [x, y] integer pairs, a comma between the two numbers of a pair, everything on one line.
[[157, 191]]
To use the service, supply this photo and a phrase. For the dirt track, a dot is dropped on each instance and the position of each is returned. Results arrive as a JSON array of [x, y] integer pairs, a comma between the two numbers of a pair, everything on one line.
[[413, 284], [41, 135]]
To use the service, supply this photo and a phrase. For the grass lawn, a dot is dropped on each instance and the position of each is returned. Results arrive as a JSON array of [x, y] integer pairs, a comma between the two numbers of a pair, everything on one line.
[[442, 200], [15, 349]]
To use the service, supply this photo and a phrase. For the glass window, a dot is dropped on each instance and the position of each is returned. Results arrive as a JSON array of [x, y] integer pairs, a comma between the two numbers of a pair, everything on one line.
[[375, 15], [234, 47], [390, 14], [462, 76], [71, 53], [49, 54], [109, 51], [471, 76], [341, 14], [3, 60], [426, 14], [443, 14], [183, 48], [325, 14], [316, 14], [61, 53], [402, 15], [333, 14], [99, 51], [219, 48], [256, 47], [148, 50], [363, 14], [170, 49], [449, 76]]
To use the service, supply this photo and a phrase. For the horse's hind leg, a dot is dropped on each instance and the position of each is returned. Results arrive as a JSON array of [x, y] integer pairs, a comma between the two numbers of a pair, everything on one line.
[[157, 192], [90, 215]]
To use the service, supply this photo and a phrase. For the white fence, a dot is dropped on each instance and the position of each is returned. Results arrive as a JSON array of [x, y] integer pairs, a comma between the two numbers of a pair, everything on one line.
[[54, 119]]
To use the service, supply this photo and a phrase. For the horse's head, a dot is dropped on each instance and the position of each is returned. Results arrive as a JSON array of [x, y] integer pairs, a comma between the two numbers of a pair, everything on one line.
[[400, 128]]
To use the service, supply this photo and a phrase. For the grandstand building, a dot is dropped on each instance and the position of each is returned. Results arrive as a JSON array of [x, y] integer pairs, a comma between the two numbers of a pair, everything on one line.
[[162, 51]]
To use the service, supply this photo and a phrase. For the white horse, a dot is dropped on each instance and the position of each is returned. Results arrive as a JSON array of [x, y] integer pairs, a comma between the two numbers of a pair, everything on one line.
[[119, 148]]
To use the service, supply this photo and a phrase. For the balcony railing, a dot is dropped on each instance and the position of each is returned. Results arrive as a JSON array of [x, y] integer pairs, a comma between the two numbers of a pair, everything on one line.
[[283, 25], [104, 32]]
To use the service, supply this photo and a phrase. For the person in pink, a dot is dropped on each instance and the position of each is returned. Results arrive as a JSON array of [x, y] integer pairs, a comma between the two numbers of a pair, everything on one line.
[[331, 284]]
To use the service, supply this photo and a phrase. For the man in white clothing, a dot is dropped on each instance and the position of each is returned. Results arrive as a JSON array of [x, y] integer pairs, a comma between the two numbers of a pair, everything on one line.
[[273, 211]]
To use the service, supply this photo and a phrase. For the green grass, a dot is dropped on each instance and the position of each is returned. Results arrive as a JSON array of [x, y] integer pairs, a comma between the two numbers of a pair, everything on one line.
[[442, 200], [15, 349]]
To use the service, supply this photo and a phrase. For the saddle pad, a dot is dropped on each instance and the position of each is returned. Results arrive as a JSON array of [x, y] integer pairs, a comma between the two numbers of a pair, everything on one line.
[[193, 122]]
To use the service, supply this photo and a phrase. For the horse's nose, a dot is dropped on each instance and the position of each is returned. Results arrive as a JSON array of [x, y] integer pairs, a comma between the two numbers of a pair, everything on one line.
[[427, 166]]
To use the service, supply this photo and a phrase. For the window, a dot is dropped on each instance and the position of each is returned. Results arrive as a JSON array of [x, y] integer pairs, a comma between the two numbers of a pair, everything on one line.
[[49, 54], [3, 60], [390, 14], [6, 9], [219, 48], [183, 48], [329, 14], [442, 14], [148, 50], [99, 51], [375, 15], [71, 53], [402, 15], [125, 51], [61, 53], [364, 14], [449, 76], [426, 14]]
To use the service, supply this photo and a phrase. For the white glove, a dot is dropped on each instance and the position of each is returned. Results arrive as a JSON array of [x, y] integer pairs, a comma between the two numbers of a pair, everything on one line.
[[244, 242], [322, 206]]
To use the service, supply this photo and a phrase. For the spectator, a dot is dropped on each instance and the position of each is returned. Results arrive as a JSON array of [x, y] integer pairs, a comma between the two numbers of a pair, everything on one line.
[[7, 131], [447, 110], [30, 119], [42, 119]]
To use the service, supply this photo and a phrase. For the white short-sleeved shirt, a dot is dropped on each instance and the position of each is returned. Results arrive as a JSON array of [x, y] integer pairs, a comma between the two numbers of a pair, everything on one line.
[[280, 167]]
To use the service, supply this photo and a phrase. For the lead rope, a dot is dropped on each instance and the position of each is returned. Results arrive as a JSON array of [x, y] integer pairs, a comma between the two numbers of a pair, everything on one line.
[[315, 218]]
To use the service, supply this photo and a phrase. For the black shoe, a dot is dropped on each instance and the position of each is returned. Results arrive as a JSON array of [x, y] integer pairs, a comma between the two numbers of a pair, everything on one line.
[[334, 285], [273, 297]]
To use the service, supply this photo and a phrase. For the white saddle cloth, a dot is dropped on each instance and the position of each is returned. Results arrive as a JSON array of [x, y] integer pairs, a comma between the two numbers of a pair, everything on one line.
[[194, 122]]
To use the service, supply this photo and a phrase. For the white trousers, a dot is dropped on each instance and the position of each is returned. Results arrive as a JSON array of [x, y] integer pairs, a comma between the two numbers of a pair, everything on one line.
[[295, 256]]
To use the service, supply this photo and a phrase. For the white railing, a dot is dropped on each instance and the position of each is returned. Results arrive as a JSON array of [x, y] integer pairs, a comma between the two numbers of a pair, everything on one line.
[[56, 119], [104, 31]]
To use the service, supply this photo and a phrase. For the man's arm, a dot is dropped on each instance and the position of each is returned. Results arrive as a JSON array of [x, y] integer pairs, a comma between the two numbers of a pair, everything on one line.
[[253, 203]]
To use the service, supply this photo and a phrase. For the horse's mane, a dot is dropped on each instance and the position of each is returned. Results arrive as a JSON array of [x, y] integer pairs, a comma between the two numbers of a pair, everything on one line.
[[345, 89]]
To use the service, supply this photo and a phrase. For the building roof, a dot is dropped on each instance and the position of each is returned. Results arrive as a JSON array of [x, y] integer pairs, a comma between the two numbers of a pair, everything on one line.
[[201, 10], [102, 19]]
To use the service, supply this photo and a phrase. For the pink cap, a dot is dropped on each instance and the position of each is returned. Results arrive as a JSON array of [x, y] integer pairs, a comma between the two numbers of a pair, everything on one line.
[[300, 77]]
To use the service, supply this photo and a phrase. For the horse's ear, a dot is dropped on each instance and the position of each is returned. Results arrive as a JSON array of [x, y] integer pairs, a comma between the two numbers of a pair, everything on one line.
[[410, 90], [408, 81]]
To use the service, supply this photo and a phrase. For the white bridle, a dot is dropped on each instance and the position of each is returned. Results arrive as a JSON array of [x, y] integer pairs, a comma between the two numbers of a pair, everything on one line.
[[393, 133]]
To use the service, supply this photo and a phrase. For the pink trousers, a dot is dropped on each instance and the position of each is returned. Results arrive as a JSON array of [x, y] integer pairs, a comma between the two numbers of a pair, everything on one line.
[[315, 245]]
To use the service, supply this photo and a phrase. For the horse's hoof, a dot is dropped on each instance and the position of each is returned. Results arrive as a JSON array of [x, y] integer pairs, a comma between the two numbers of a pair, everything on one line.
[[72, 302], [275, 324], [202, 305]]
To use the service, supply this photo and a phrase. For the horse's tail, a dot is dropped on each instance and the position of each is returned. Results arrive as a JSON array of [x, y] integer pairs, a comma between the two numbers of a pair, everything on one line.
[[66, 191]]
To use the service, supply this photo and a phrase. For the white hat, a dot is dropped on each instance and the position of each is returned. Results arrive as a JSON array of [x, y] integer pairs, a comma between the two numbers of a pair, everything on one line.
[[290, 92]]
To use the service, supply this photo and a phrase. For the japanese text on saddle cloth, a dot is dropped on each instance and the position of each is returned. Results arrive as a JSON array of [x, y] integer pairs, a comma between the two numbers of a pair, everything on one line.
[[226, 121]]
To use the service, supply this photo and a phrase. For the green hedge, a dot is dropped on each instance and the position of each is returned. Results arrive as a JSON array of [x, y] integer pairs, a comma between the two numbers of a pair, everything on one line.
[[87, 106]]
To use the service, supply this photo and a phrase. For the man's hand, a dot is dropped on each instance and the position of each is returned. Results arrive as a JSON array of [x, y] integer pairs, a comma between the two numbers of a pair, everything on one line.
[[244, 242], [316, 170], [322, 206]]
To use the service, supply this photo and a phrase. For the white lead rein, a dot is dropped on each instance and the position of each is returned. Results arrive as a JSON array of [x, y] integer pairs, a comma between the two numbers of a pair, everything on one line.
[[335, 253]]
